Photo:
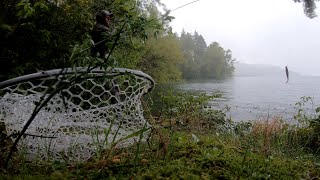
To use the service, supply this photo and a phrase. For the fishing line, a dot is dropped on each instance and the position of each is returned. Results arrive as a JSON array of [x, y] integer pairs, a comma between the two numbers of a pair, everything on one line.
[[185, 5]]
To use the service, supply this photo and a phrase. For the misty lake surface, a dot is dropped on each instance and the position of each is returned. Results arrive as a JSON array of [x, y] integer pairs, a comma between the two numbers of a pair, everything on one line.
[[253, 98]]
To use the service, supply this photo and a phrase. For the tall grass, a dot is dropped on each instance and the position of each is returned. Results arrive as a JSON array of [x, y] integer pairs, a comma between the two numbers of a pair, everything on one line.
[[271, 135]]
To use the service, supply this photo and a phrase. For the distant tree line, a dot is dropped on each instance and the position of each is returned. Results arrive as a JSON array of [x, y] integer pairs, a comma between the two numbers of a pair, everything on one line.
[[202, 61]]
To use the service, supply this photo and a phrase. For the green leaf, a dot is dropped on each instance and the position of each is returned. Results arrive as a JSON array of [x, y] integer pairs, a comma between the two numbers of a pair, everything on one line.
[[132, 135]]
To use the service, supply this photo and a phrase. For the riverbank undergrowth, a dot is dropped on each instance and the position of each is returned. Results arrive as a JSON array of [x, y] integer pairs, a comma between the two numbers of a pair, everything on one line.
[[190, 141]]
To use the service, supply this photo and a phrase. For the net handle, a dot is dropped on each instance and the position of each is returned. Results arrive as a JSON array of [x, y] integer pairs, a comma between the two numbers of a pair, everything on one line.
[[58, 72]]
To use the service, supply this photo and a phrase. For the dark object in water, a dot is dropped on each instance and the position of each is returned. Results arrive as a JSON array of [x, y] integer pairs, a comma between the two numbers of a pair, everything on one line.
[[287, 73]]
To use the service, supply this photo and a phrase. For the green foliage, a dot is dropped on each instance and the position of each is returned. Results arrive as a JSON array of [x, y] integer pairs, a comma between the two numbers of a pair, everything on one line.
[[161, 59], [41, 33], [51, 34], [217, 63], [309, 7], [188, 110], [301, 115], [204, 61], [270, 136], [5, 143], [308, 136], [213, 158], [268, 149], [242, 127]]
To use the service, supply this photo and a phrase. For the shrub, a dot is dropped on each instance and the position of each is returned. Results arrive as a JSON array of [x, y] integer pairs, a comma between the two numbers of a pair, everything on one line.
[[187, 110]]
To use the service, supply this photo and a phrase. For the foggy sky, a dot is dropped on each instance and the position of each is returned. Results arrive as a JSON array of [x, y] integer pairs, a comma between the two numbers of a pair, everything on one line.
[[272, 32]]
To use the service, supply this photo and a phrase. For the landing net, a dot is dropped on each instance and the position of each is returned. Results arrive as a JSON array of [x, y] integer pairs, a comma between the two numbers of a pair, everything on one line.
[[97, 108]]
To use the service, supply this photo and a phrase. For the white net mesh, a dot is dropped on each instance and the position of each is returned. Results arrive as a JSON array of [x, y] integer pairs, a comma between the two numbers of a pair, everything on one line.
[[85, 117]]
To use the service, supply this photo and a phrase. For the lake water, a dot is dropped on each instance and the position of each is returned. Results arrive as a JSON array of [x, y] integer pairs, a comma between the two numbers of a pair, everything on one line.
[[252, 98]]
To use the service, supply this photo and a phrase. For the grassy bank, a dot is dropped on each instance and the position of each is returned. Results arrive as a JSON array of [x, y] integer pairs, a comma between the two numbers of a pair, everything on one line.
[[190, 142]]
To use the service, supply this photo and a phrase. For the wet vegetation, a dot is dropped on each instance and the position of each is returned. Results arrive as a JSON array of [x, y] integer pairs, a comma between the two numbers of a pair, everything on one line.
[[189, 140]]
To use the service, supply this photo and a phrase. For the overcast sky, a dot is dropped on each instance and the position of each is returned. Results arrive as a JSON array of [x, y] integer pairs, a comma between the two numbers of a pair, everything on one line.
[[257, 31]]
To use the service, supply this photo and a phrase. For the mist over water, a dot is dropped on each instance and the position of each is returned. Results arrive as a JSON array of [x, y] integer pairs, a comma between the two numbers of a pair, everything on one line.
[[252, 98]]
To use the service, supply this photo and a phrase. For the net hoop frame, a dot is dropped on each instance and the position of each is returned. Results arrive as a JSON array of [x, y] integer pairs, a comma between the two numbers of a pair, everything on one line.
[[65, 71]]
